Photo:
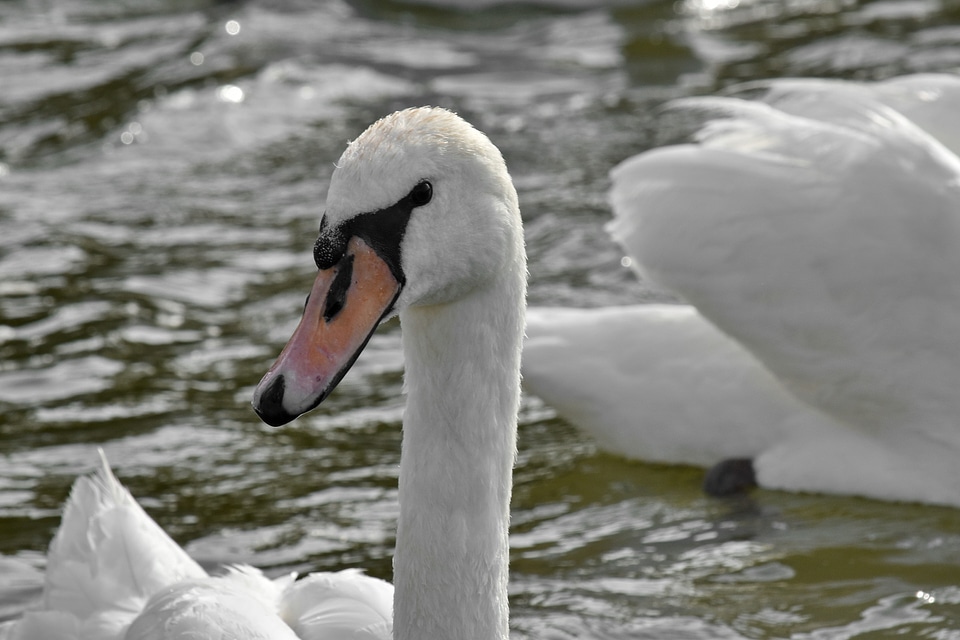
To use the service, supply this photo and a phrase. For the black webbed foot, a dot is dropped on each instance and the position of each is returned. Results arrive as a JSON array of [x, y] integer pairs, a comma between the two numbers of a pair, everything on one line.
[[734, 476]]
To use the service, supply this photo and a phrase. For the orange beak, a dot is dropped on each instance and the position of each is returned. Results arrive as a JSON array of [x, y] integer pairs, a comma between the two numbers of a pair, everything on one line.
[[346, 304]]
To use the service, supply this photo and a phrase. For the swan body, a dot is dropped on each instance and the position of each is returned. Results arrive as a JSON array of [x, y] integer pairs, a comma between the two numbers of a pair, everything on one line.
[[658, 382], [818, 229], [112, 572], [422, 220]]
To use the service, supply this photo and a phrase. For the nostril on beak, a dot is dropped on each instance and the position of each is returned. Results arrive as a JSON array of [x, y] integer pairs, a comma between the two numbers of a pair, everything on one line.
[[269, 405], [337, 295]]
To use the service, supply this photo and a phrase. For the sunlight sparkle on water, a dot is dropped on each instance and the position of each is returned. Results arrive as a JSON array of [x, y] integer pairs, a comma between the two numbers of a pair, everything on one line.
[[718, 5], [230, 93], [132, 132], [232, 27], [196, 58]]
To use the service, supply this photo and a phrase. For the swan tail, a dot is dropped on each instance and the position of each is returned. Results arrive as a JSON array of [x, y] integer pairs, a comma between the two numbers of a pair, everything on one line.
[[339, 606], [107, 558]]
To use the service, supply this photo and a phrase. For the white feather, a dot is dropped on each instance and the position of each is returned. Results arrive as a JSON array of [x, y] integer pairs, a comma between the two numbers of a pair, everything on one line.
[[112, 572], [819, 228]]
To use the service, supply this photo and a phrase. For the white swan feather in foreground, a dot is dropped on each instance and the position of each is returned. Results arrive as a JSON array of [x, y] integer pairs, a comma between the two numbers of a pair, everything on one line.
[[422, 220], [816, 232], [112, 572]]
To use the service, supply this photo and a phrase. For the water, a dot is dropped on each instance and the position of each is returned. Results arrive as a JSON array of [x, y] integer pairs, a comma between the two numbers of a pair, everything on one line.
[[162, 172]]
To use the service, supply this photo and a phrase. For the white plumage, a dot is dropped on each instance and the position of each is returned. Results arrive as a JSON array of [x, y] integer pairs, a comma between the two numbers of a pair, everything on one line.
[[820, 229], [655, 382], [112, 572]]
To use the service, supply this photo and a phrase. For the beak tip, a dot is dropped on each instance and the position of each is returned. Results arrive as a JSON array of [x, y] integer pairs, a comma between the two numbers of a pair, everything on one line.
[[268, 403]]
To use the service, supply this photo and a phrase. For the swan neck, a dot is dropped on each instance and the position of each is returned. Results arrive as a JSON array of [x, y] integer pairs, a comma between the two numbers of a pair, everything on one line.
[[462, 378]]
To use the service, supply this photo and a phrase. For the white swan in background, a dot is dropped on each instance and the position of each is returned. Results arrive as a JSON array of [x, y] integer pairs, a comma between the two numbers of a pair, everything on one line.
[[819, 228], [422, 219], [657, 382]]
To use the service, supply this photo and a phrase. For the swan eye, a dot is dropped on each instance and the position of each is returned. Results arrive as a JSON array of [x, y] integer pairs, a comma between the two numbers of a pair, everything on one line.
[[421, 194]]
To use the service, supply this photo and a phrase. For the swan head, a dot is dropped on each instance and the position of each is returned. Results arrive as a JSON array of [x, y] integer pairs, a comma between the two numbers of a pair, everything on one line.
[[420, 211]]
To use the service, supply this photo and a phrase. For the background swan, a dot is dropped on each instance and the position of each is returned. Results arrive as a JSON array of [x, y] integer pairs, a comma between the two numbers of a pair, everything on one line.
[[657, 382], [422, 219], [819, 228]]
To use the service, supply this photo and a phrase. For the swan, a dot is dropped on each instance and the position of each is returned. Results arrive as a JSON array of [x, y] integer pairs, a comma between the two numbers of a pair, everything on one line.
[[422, 220], [112, 572], [659, 383], [815, 234]]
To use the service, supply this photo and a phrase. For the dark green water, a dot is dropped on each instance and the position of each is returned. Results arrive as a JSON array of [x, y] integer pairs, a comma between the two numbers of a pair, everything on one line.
[[161, 182]]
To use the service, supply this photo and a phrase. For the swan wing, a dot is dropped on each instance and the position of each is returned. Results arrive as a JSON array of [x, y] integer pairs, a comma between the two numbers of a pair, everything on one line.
[[241, 605], [106, 560], [344, 605], [829, 248], [108, 549], [928, 100]]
